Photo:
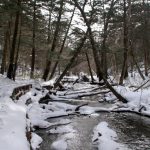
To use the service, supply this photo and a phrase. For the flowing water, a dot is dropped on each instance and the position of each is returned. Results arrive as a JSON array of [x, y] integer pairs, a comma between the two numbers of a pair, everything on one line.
[[132, 130]]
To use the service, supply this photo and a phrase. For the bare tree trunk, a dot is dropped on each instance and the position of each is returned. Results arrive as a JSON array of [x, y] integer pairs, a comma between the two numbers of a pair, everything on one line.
[[12, 52], [95, 53], [90, 70], [135, 62], [48, 61], [130, 45], [115, 63], [62, 46], [145, 39], [124, 73], [5, 51], [76, 52], [49, 23], [17, 52], [145, 59], [33, 42], [105, 34], [103, 47]]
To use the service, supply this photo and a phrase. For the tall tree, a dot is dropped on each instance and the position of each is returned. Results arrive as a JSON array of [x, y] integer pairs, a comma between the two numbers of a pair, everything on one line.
[[62, 46], [90, 69], [48, 61], [33, 41], [107, 16], [130, 39], [5, 49], [124, 73], [17, 50], [12, 52], [50, 11], [145, 37]]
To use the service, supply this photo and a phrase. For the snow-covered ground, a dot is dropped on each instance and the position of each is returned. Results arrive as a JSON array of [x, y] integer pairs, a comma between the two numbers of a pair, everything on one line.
[[12, 126], [16, 117], [13, 117], [138, 98], [6, 86]]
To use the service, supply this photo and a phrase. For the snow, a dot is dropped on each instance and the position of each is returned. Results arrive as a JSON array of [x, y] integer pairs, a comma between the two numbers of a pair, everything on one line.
[[62, 129], [49, 83], [14, 123], [136, 99], [60, 144], [12, 119], [35, 115], [12, 126], [86, 110], [64, 106], [7, 86], [38, 115], [104, 138], [35, 141]]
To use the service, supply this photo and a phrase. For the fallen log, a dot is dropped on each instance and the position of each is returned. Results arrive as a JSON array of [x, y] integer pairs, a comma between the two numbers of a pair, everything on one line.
[[131, 111], [48, 87], [64, 115], [95, 93], [78, 107], [123, 111], [45, 99], [80, 91], [83, 95], [19, 91], [141, 86]]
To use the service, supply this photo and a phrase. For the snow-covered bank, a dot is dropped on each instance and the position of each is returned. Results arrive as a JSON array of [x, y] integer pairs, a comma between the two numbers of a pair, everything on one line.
[[138, 101], [136, 91], [13, 121], [12, 126], [6, 86], [35, 141]]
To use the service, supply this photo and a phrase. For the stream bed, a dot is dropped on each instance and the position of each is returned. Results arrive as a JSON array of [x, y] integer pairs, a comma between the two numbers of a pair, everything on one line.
[[132, 130]]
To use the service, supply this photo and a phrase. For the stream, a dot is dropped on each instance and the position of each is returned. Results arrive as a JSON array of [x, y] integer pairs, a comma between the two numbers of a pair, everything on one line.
[[132, 130]]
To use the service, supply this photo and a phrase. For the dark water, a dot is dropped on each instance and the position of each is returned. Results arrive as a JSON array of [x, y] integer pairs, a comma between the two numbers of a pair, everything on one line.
[[132, 130]]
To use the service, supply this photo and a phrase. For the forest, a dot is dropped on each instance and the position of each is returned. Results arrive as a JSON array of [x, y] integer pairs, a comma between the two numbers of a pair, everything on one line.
[[75, 74]]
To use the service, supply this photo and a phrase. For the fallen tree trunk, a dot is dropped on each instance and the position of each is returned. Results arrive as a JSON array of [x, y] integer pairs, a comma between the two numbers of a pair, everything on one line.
[[80, 91], [123, 111], [131, 111], [19, 91], [141, 86], [78, 107], [83, 95]]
